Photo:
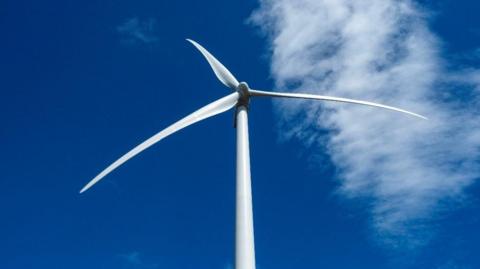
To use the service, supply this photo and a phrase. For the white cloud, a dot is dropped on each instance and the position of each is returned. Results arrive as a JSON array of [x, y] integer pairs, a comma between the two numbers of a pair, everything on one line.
[[383, 51], [135, 30]]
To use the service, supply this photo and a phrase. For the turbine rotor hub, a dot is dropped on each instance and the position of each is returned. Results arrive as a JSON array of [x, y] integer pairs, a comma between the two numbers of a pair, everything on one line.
[[244, 92]]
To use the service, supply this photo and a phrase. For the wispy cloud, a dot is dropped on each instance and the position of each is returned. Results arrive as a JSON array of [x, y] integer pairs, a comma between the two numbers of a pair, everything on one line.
[[407, 170], [453, 265], [135, 30], [134, 260]]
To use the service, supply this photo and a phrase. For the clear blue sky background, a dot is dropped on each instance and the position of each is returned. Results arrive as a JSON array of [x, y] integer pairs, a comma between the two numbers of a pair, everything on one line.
[[76, 93]]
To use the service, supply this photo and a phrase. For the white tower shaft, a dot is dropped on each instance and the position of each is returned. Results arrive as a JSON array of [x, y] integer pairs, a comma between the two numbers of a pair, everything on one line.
[[244, 242]]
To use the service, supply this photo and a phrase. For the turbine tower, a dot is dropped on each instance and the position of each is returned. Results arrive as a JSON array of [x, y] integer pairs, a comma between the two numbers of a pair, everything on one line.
[[238, 99]]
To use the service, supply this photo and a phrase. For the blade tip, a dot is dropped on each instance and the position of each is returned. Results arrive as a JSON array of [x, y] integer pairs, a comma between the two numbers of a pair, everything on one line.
[[422, 117], [85, 188]]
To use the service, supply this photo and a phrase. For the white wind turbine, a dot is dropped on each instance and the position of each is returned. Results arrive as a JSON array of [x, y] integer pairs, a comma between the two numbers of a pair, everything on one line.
[[239, 99]]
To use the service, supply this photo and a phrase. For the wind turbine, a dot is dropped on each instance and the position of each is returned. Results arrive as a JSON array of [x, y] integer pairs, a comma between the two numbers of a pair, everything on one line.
[[238, 99]]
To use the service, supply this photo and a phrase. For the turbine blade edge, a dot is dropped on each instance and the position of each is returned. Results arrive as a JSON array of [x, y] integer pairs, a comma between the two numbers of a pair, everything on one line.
[[331, 98], [212, 109], [218, 68]]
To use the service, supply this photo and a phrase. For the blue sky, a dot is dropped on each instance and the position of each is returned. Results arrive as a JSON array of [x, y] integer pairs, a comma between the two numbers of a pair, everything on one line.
[[83, 82]]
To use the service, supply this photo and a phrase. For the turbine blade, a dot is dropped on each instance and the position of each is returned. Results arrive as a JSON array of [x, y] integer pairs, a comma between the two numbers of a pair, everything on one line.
[[220, 70], [207, 111], [330, 98]]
